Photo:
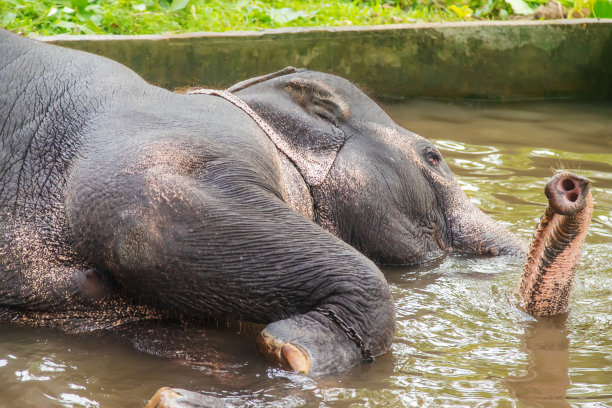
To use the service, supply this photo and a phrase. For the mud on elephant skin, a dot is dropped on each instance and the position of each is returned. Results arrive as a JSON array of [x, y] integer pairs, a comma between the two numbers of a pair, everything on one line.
[[116, 193]]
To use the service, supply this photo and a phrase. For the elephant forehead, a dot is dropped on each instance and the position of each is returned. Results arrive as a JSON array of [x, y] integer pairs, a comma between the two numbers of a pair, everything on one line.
[[412, 147], [402, 142]]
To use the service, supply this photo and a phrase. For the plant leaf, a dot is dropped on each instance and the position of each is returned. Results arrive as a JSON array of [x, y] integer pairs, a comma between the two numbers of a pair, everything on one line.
[[603, 9], [79, 4], [520, 7], [178, 5], [8, 17], [461, 12], [68, 25], [286, 14]]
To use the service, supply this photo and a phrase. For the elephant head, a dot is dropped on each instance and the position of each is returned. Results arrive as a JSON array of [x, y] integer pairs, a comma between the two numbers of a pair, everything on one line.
[[383, 189]]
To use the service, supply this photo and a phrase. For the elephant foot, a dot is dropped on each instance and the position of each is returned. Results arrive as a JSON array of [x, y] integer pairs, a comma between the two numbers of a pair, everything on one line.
[[308, 344], [286, 355], [177, 398]]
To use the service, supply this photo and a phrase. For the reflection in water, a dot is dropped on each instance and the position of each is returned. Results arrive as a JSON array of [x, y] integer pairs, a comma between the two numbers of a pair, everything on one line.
[[457, 335], [546, 382]]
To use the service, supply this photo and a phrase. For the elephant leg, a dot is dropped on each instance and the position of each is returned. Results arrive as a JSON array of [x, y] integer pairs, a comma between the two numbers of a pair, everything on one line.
[[234, 250]]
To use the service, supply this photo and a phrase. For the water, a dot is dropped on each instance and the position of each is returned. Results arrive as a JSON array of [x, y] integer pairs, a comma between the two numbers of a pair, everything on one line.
[[460, 340]]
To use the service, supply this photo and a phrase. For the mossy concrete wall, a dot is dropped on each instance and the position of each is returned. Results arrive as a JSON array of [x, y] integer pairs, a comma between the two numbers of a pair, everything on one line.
[[498, 60]]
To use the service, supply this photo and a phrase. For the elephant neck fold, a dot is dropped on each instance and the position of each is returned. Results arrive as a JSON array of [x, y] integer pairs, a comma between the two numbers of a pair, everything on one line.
[[298, 193], [280, 143]]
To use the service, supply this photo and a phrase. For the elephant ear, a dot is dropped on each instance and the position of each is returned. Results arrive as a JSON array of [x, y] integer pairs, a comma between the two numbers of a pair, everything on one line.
[[307, 114], [252, 81]]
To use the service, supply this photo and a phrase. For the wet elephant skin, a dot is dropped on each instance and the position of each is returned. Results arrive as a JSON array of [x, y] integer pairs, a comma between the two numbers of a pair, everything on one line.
[[121, 200]]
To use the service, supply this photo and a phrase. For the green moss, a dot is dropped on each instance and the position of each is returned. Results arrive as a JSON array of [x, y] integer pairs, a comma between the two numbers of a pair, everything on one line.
[[47, 17]]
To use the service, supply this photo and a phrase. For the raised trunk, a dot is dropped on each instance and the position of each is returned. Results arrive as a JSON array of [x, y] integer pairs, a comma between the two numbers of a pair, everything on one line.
[[548, 273]]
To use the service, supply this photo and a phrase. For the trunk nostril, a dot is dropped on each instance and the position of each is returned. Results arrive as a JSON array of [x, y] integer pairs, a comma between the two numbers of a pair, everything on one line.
[[568, 185], [571, 189], [565, 192]]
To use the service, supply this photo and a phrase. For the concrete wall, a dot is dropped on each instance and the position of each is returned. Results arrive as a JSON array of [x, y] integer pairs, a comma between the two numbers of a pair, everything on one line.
[[498, 60]]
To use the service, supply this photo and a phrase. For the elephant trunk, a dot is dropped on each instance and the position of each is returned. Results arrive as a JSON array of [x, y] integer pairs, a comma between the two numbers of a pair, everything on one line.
[[471, 231], [548, 273]]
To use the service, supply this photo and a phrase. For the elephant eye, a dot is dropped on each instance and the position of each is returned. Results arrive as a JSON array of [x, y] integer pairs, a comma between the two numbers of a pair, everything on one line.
[[433, 159]]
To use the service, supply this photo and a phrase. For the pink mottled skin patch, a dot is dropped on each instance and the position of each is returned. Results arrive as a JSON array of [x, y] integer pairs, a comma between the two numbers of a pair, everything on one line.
[[548, 274]]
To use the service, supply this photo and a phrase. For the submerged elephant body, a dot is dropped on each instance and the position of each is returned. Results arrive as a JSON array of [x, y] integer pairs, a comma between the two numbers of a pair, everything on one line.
[[117, 195]]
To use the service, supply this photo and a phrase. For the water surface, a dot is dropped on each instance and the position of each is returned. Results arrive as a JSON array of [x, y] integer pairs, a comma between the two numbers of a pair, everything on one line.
[[460, 340]]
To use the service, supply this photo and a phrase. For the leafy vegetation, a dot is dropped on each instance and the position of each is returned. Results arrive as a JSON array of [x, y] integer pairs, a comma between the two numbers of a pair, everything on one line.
[[162, 16]]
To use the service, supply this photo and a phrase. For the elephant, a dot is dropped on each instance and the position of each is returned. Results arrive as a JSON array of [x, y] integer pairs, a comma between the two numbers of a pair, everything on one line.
[[273, 202]]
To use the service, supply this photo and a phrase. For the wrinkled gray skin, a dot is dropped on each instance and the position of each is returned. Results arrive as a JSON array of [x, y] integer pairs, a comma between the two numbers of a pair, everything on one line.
[[113, 190]]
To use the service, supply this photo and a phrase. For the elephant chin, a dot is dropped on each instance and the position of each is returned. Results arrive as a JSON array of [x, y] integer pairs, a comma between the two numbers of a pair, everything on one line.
[[548, 273]]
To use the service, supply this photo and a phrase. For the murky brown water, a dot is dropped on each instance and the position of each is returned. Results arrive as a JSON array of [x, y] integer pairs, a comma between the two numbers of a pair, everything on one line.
[[460, 340]]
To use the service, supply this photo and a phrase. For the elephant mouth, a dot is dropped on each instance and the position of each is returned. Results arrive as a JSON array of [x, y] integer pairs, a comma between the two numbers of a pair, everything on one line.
[[553, 255], [440, 239]]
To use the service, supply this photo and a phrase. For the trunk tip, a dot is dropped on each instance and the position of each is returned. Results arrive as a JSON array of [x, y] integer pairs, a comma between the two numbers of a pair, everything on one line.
[[567, 192]]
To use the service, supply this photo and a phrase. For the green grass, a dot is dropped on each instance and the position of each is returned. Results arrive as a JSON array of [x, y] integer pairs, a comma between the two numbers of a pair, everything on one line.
[[47, 17]]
